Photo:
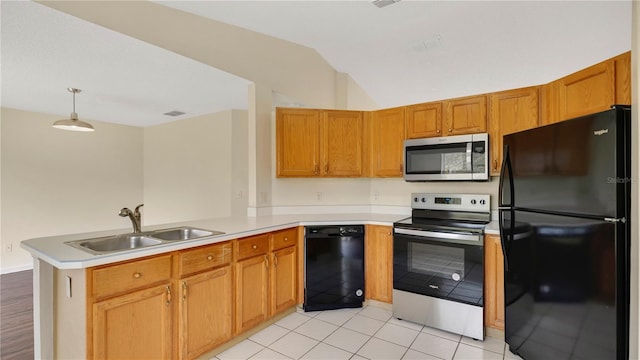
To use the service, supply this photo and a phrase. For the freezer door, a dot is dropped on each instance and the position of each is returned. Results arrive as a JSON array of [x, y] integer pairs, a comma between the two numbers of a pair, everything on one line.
[[576, 166], [564, 288]]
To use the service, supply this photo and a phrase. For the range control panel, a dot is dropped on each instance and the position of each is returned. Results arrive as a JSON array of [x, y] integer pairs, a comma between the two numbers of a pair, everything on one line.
[[455, 202]]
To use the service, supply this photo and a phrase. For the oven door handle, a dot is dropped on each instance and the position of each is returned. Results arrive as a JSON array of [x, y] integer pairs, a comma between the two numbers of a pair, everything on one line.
[[440, 235], [468, 157]]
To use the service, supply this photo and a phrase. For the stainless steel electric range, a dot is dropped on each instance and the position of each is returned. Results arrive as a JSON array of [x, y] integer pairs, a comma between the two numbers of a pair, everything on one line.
[[438, 262]]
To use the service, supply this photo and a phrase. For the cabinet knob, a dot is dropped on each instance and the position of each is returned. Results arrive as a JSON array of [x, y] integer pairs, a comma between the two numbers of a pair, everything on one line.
[[137, 275], [254, 246], [209, 257], [450, 130], [286, 238], [438, 131]]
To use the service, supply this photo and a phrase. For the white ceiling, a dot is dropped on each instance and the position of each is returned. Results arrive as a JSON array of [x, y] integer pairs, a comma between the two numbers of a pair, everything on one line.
[[408, 52]]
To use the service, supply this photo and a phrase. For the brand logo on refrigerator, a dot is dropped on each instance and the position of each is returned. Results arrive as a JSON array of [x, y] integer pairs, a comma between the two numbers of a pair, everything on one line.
[[600, 132]]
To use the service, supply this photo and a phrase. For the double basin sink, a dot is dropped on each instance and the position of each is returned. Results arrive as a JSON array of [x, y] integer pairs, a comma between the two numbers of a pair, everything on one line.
[[115, 243]]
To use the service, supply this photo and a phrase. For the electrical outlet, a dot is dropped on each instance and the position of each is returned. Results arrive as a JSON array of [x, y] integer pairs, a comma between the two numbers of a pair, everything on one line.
[[376, 195], [319, 196]]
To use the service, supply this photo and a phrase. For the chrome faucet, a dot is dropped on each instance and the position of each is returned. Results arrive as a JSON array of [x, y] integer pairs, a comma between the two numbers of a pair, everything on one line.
[[134, 216]]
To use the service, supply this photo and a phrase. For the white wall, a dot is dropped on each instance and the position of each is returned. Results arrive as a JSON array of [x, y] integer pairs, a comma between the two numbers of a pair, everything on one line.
[[60, 182], [188, 168]]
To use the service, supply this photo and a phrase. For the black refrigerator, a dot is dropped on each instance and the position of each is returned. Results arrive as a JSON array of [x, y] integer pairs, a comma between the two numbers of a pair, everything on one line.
[[564, 202]]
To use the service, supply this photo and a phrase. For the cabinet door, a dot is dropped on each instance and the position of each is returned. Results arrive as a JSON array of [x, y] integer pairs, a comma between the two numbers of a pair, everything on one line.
[[424, 120], [493, 283], [510, 111], [466, 115], [342, 143], [587, 91], [283, 279], [623, 78], [379, 263], [387, 141], [134, 326], [252, 299], [297, 142], [205, 312]]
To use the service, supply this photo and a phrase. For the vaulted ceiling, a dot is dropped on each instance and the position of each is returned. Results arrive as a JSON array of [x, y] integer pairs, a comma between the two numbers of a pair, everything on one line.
[[407, 52]]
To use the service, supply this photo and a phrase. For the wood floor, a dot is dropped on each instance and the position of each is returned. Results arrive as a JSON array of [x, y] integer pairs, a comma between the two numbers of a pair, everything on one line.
[[16, 316]]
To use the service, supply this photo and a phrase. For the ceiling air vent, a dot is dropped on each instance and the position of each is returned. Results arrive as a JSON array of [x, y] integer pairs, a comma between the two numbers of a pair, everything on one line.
[[383, 3], [174, 113]]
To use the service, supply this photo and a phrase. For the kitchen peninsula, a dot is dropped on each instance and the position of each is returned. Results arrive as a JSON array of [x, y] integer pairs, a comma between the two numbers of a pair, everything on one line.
[[73, 288]]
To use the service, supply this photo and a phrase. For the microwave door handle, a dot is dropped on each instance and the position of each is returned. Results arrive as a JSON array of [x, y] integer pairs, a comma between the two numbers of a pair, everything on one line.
[[469, 145]]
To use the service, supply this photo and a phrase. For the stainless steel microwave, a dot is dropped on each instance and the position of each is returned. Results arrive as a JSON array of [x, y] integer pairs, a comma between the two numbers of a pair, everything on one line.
[[461, 157]]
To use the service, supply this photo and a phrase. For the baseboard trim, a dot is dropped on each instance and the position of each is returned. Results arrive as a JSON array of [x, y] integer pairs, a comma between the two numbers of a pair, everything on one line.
[[12, 269]]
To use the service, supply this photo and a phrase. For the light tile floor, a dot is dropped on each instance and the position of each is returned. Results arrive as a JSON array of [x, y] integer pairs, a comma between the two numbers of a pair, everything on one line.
[[359, 334]]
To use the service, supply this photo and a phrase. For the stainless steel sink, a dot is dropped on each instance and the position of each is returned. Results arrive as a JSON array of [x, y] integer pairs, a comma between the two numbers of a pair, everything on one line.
[[183, 233], [123, 242], [115, 243]]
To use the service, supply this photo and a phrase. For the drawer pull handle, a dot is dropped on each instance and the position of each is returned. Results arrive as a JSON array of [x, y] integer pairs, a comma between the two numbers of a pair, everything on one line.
[[209, 257], [275, 260], [137, 275], [184, 290], [254, 246], [266, 259], [168, 295]]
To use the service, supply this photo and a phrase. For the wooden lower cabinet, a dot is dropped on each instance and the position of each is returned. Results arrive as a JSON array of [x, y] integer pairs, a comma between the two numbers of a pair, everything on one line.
[[283, 279], [493, 283], [137, 325], [206, 311], [378, 263], [266, 277], [252, 292]]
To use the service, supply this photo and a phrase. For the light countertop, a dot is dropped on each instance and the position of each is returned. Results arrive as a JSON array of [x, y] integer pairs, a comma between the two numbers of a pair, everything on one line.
[[492, 228], [54, 251]]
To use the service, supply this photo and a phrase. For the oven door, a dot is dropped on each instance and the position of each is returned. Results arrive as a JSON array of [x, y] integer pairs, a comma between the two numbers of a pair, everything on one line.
[[445, 265]]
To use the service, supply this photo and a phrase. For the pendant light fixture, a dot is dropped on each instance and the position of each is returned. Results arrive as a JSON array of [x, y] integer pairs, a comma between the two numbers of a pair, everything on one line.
[[73, 123]]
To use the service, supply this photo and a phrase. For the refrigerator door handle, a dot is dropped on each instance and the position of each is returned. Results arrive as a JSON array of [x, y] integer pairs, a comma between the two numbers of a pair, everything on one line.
[[503, 239], [506, 167]]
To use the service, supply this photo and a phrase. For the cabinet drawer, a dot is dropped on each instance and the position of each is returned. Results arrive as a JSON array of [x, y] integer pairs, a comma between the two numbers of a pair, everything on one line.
[[251, 246], [204, 258], [284, 238], [130, 276]]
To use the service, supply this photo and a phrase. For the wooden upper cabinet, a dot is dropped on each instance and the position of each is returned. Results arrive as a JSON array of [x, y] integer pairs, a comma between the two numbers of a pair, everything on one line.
[[387, 142], [587, 91], [424, 120], [312, 143], [549, 103], [622, 65], [466, 115], [342, 143], [510, 111], [297, 142]]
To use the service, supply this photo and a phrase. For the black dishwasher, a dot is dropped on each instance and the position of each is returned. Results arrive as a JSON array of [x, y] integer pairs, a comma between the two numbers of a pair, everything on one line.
[[333, 267]]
